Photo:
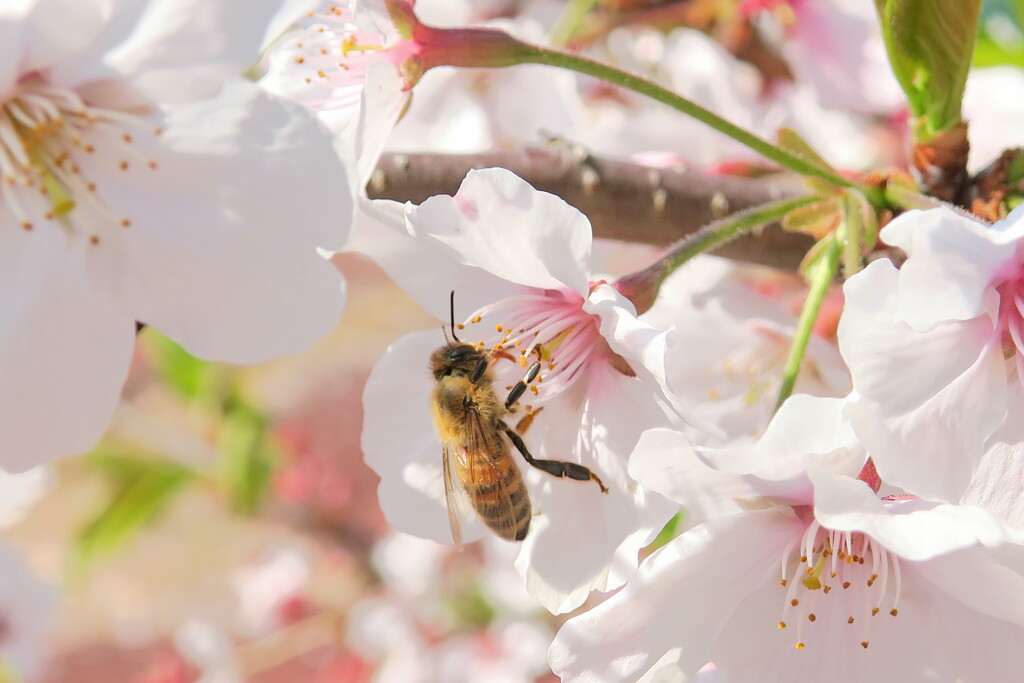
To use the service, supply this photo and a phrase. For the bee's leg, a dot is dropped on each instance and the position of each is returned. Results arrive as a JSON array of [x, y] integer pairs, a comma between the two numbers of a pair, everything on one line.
[[479, 370], [556, 468], [520, 387]]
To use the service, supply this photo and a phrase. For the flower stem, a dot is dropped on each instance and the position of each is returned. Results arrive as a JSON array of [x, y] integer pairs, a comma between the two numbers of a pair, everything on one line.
[[536, 54], [821, 279], [642, 286]]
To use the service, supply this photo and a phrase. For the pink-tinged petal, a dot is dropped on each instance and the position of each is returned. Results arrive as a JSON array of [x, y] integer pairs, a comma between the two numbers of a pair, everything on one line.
[[970, 611], [665, 461], [952, 262], [181, 51], [913, 529], [998, 482], [838, 49], [427, 270], [803, 426], [54, 30], [446, 116], [498, 222], [681, 597], [234, 274], [400, 443], [636, 340], [12, 37], [382, 102], [910, 389], [986, 580], [730, 343], [564, 556], [64, 349], [751, 647]]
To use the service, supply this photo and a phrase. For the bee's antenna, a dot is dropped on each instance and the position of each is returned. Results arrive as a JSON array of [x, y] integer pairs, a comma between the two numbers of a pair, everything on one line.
[[451, 308]]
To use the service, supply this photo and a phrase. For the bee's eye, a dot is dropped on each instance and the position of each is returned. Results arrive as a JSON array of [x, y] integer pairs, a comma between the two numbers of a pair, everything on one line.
[[460, 352]]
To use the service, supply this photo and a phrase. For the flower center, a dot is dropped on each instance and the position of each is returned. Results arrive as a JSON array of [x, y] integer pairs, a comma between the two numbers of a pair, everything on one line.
[[54, 149], [837, 576], [547, 326], [334, 55]]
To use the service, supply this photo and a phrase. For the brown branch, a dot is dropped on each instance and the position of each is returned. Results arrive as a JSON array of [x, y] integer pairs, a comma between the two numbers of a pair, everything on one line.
[[623, 200]]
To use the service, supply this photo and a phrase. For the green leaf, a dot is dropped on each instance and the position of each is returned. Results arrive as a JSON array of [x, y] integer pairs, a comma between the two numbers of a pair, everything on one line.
[[817, 220], [141, 489], [791, 141], [176, 366], [247, 459], [860, 230], [668, 532], [930, 45], [989, 52]]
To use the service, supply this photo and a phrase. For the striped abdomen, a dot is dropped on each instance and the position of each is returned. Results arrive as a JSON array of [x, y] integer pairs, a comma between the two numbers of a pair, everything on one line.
[[496, 489]]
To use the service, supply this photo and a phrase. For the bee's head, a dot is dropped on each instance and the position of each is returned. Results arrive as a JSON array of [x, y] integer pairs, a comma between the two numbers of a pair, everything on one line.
[[455, 359]]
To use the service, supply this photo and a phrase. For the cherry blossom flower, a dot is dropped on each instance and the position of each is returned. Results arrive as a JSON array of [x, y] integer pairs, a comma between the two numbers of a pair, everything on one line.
[[836, 47], [326, 65], [734, 325], [518, 259], [465, 110], [936, 349], [800, 568], [697, 67], [140, 180]]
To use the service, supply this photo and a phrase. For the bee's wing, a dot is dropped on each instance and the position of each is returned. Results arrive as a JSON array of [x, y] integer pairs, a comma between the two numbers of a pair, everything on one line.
[[490, 478], [454, 496]]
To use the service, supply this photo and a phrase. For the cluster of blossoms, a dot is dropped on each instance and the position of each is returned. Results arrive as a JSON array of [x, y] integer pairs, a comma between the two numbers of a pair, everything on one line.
[[869, 525]]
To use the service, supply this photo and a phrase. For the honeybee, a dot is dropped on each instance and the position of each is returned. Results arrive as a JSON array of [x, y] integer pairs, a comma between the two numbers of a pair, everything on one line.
[[470, 421]]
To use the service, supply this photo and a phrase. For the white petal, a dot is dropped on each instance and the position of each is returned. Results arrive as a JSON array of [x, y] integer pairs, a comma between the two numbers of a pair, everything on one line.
[[603, 533], [990, 581], [381, 104], [998, 482], [751, 647], [952, 261], [424, 268], [969, 609], [183, 50], [400, 443], [910, 389], [234, 274], [913, 529], [501, 224], [55, 30], [682, 596], [636, 340], [804, 425], [64, 349]]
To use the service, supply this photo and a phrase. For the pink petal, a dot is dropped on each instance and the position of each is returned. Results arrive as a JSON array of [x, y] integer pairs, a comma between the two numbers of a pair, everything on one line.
[[498, 222], [563, 559], [952, 261], [910, 389]]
